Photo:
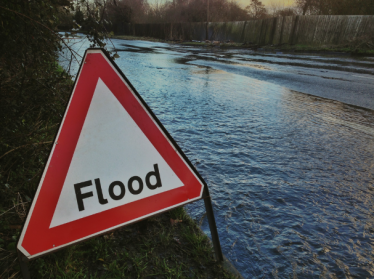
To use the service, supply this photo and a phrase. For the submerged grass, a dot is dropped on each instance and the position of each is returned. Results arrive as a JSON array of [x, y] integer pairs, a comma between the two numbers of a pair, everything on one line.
[[349, 48], [322, 49], [181, 42], [126, 37]]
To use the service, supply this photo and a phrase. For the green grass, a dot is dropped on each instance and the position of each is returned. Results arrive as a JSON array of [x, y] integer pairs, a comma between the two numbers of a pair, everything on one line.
[[210, 44], [286, 47], [189, 43], [322, 49], [154, 248], [125, 37], [194, 43], [158, 247]]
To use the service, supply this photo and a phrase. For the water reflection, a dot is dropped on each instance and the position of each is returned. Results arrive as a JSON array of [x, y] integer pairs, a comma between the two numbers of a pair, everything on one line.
[[290, 173]]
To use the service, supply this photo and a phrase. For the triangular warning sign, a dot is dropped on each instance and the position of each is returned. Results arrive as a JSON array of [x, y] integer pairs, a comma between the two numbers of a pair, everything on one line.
[[112, 163]]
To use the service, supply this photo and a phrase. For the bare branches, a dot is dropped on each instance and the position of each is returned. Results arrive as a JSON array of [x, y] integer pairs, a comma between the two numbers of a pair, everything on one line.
[[19, 206], [46, 27], [256, 9], [336, 7], [22, 146]]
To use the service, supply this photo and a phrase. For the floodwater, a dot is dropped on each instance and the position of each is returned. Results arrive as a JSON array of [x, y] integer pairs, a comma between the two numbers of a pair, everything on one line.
[[290, 172]]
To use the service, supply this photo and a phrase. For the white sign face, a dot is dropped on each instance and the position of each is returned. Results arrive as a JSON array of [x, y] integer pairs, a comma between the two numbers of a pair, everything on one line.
[[111, 147]]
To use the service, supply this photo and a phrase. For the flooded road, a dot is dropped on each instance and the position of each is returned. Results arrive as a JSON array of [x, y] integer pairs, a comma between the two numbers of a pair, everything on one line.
[[290, 172]]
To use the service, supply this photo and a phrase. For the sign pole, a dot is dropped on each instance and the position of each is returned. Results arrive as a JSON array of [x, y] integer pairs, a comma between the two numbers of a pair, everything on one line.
[[23, 262], [212, 225]]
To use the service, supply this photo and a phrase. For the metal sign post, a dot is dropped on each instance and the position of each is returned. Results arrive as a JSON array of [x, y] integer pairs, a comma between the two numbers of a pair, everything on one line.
[[212, 225], [23, 262]]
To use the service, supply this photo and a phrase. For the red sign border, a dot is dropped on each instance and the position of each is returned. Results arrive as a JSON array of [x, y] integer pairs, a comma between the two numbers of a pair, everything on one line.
[[167, 136]]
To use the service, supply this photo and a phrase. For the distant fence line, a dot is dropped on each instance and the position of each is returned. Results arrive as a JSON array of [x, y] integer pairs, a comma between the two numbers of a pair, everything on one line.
[[310, 30]]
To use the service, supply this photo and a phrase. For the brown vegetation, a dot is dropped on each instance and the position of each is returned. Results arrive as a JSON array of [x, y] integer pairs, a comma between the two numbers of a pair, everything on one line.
[[257, 10], [113, 13], [336, 7], [116, 12]]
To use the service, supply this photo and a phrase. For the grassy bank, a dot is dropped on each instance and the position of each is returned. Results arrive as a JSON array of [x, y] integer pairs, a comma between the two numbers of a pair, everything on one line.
[[169, 245], [344, 49], [188, 43], [125, 37], [353, 48]]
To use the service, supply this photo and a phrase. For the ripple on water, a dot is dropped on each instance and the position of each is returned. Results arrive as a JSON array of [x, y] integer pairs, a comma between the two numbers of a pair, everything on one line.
[[291, 175]]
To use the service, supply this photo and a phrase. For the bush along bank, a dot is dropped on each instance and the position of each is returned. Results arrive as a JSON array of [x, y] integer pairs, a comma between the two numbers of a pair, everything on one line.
[[34, 91]]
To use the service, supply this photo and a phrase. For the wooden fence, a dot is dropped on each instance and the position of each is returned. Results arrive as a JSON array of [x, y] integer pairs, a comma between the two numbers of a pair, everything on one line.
[[308, 30]]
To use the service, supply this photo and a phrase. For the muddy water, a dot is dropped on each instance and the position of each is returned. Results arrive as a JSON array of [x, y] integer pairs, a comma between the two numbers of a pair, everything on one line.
[[290, 173]]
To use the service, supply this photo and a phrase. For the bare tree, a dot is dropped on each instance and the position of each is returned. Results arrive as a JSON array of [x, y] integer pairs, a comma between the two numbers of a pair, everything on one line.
[[281, 8], [309, 6], [256, 9], [196, 11]]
